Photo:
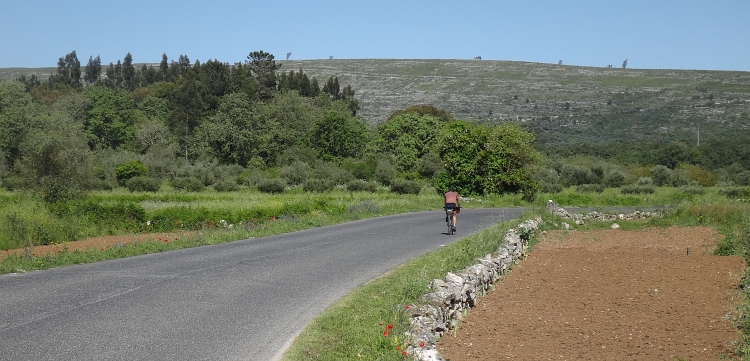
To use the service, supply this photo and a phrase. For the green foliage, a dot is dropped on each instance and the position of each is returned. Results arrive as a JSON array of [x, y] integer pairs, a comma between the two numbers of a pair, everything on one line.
[[359, 185], [133, 168], [487, 160], [337, 136], [187, 184], [661, 175], [226, 185], [55, 161], [408, 137], [590, 188], [404, 186], [111, 120], [295, 173], [331, 172], [641, 186], [272, 185], [385, 172], [143, 184], [318, 185]]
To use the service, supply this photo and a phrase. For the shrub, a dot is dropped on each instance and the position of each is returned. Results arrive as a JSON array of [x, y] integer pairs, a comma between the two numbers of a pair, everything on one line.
[[295, 173], [358, 185], [187, 184], [614, 178], [226, 185], [692, 188], [332, 172], [550, 187], [732, 191], [143, 184], [318, 185], [403, 186], [642, 186], [574, 175], [590, 188], [126, 171], [661, 175], [429, 165], [272, 185], [385, 172]]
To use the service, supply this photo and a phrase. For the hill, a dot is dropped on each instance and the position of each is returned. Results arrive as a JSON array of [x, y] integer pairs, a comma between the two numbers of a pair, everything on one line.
[[563, 104]]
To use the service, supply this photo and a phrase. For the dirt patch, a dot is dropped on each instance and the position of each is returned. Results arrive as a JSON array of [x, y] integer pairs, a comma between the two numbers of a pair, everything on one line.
[[97, 243], [608, 295]]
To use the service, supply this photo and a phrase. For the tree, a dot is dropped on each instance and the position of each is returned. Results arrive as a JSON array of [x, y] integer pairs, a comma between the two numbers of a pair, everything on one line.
[[128, 73], [164, 68], [263, 67], [111, 119], [15, 119], [93, 70], [483, 159], [68, 71], [337, 136], [332, 88], [424, 109], [408, 137], [55, 161]]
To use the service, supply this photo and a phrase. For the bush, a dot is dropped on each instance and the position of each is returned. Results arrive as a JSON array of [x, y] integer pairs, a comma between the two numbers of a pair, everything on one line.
[[143, 184], [550, 187], [403, 186], [187, 184], [429, 165], [126, 171], [226, 185], [574, 175], [590, 188], [614, 178], [732, 191], [295, 173], [318, 185], [661, 175], [642, 186], [331, 172], [359, 185], [692, 188], [385, 172], [272, 185]]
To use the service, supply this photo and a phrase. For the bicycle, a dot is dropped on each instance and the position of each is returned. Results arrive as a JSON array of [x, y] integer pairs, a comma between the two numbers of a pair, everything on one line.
[[451, 228]]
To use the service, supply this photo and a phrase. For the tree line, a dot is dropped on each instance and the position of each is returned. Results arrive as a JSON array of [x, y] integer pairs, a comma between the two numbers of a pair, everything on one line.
[[249, 123]]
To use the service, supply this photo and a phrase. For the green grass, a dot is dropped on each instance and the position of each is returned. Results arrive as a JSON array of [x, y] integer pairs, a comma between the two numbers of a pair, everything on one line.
[[352, 328]]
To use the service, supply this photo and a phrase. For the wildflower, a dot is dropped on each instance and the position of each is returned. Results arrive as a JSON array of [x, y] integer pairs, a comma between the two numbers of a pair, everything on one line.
[[398, 347], [421, 343], [403, 353], [407, 307], [390, 326], [385, 333], [380, 323]]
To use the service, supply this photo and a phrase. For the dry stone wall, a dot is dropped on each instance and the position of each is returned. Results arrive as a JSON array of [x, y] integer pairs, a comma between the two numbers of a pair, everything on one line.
[[440, 310]]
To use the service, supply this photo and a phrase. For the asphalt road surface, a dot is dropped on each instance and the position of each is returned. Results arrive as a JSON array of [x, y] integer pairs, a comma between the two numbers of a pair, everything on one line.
[[243, 300]]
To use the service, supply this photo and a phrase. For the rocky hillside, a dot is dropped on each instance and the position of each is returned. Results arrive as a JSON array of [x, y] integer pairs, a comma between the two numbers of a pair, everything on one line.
[[562, 104]]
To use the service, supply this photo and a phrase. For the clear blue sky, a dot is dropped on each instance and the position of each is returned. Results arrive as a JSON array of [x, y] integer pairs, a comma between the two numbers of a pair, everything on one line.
[[651, 34]]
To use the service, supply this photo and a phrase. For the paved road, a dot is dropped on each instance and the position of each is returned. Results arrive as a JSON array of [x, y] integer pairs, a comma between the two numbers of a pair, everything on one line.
[[243, 300]]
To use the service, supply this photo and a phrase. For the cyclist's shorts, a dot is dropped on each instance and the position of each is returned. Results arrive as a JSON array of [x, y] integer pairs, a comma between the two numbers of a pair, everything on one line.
[[450, 206]]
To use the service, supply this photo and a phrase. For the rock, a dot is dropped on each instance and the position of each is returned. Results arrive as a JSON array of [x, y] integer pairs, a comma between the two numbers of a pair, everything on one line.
[[614, 226]]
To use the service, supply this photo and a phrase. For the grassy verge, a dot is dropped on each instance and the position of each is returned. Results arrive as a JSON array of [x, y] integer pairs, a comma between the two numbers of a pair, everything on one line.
[[353, 328]]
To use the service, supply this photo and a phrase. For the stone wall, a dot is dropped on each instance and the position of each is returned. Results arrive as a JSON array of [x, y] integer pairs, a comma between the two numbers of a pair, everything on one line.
[[440, 310]]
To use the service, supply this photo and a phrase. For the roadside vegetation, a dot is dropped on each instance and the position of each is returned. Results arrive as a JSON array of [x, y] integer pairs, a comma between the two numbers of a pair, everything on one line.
[[369, 323], [230, 152]]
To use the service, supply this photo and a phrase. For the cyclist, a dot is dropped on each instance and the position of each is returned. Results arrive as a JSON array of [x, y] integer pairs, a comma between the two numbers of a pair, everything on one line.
[[452, 203]]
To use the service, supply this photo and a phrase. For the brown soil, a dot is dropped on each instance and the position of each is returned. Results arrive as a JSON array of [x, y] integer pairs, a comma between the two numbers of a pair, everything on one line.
[[608, 295], [96, 243]]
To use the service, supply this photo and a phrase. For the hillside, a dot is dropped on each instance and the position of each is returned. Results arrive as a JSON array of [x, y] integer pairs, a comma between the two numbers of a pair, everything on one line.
[[562, 104]]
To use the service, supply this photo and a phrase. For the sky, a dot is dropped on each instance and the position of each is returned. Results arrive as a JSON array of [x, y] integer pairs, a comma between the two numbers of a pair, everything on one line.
[[650, 34]]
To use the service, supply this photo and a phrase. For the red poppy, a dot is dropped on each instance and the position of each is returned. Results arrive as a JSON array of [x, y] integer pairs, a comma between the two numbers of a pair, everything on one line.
[[421, 343], [390, 326], [385, 333], [403, 352], [407, 307], [398, 347]]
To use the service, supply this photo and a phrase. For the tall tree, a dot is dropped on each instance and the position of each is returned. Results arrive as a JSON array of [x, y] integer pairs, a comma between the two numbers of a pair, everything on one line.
[[93, 70], [68, 71], [128, 73], [164, 68], [263, 67]]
